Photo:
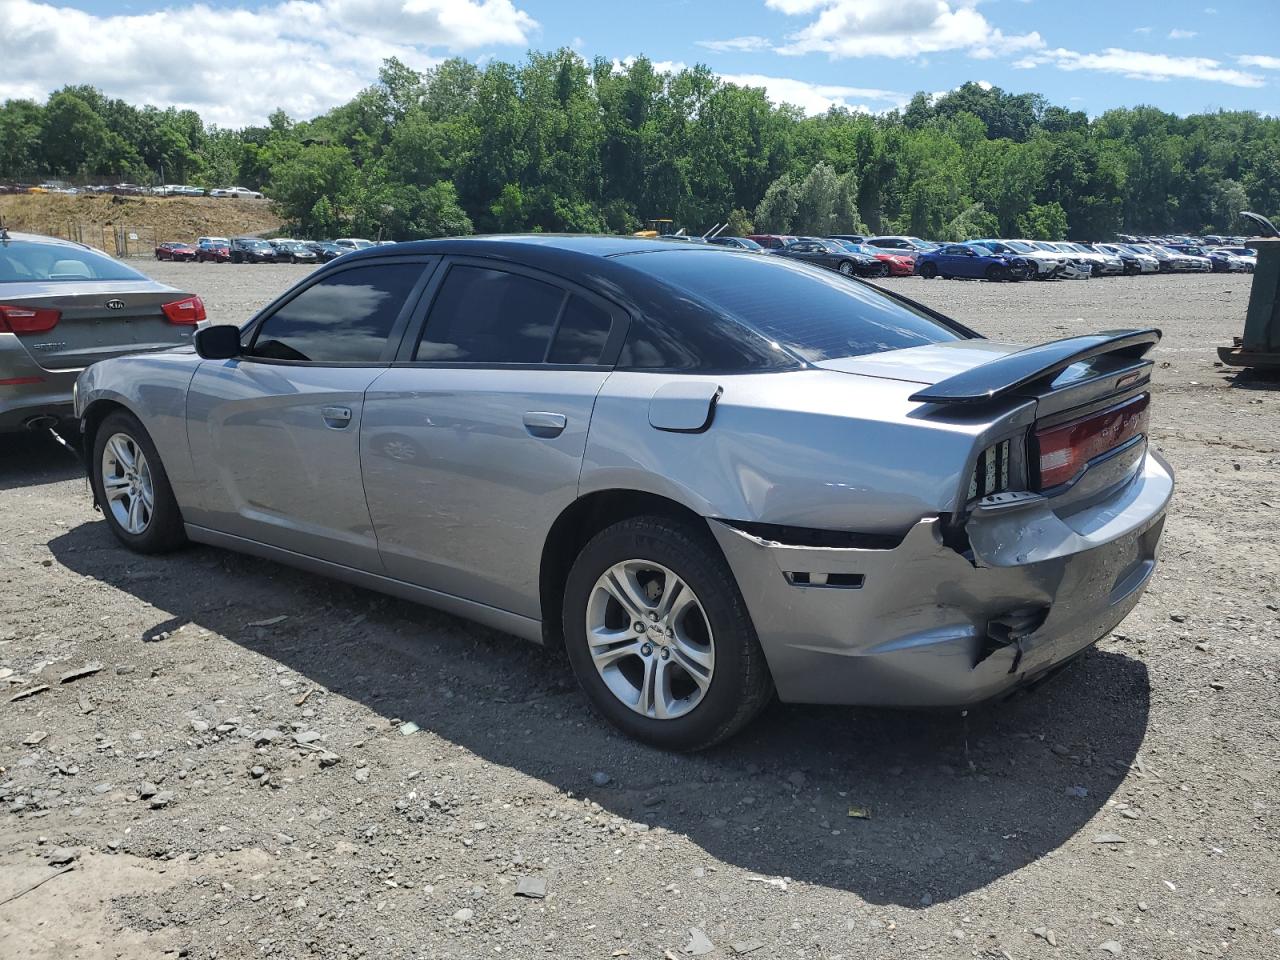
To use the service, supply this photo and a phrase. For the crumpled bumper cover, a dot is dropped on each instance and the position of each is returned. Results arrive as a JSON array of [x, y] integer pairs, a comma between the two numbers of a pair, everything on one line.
[[912, 626]]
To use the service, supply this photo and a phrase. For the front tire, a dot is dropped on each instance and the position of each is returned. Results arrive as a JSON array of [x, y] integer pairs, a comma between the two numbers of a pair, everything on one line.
[[928, 270], [845, 268], [132, 488], [693, 674]]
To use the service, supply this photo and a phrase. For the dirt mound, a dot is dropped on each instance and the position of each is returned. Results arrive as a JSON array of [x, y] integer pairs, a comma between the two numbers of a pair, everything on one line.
[[87, 217]]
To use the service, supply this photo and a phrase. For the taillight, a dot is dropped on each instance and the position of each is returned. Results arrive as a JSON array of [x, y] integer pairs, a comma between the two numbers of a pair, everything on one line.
[[1061, 452], [27, 319], [189, 310]]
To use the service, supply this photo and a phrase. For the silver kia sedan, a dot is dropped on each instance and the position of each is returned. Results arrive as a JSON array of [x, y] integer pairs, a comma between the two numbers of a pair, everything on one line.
[[710, 476], [64, 306]]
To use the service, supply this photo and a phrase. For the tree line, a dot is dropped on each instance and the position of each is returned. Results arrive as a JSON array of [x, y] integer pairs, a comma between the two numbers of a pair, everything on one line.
[[555, 143]]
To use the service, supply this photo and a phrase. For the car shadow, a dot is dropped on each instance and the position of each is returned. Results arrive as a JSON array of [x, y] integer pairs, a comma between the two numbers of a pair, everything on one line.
[[1250, 378], [900, 808], [30, 459]]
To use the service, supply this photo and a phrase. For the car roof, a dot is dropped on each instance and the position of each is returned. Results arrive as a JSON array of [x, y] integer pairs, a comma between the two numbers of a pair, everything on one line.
[[542, 247]]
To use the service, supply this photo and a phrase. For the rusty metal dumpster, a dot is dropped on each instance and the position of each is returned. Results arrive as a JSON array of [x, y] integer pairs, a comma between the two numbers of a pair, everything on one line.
[[1260, 345]]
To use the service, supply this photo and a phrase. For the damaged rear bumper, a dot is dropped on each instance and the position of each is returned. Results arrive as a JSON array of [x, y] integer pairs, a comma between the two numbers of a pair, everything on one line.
[[923, 625]]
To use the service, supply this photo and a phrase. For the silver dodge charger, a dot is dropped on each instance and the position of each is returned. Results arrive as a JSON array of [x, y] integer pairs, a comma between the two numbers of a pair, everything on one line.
[[710, 476]]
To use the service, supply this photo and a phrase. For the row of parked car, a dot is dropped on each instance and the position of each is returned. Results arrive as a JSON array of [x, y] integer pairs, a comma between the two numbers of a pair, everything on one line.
[[257, 250], [133, 189], [998, 259]]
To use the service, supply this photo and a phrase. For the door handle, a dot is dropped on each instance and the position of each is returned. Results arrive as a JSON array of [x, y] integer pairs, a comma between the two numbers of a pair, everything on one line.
[[336, 417], [545, 425]]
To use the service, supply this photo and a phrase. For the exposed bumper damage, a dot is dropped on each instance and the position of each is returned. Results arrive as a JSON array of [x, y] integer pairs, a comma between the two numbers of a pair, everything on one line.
[[923, 625]]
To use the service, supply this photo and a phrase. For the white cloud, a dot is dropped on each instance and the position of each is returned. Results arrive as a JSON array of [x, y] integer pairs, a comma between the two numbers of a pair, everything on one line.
[[897, 28], [1143, 66], [819, 97], [659, 66], [237, 64], [1259, 60], [737, 44], [1141, 29], [1176, 34]]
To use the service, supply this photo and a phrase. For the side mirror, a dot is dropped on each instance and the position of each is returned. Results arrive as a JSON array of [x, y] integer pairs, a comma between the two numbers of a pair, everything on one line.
[[218, 342]]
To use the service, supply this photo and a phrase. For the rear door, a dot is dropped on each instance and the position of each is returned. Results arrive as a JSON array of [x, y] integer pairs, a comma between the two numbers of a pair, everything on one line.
[[472, 443], [275, 433]]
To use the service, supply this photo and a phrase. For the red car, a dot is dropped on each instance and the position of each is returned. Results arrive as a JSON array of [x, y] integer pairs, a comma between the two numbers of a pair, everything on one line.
[[213, 251], [900, 263], [771, 241], [175, 251]]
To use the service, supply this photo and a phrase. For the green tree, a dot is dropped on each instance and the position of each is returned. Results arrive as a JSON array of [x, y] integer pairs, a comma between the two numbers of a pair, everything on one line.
[[776, 212], [1044, 222]]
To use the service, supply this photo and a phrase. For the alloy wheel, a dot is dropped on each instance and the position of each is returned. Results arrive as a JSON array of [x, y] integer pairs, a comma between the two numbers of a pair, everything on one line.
[[650, 639], [126, 483]]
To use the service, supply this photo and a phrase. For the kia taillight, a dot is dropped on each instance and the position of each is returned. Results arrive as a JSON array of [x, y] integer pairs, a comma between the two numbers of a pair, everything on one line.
[[189, 310], [27, 319], [1061, 452]]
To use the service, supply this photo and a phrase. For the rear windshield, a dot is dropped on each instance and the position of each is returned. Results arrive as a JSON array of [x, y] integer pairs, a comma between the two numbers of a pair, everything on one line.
[[815, 313], [23, 261]]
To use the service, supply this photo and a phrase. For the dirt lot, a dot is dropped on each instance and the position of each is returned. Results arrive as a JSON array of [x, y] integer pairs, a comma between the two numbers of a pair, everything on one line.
[[159, 218], [1129, 807]]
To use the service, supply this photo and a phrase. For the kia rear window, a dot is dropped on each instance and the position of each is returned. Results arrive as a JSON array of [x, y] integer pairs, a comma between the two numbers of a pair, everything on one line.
[[23, 262]]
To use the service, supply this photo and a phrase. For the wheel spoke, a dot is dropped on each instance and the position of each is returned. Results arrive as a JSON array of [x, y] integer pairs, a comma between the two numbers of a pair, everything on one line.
[[610, 646], [123, 456], [695, 663], [622, 586], [115, 487], [673, 592], [135, 514], [653, 697]]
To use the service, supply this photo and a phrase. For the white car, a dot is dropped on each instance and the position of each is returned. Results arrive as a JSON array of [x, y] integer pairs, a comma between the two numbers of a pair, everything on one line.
[[1048, 263], [1069, 259], [1145, 262], [1102, 263], [236, 193], [353, 243], [1242, 259]]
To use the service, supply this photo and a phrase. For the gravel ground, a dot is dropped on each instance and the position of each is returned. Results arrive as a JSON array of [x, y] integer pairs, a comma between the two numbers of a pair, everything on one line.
[[236, 778]]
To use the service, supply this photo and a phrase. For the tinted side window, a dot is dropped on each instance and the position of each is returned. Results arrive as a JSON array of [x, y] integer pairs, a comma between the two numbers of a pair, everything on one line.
[[344, 318], [583, 333], [490, 316]]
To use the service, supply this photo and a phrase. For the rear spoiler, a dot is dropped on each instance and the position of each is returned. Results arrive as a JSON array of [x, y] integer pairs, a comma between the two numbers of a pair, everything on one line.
[[1007, 374]]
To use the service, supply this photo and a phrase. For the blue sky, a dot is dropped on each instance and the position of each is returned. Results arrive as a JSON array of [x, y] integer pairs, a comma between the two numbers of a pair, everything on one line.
[[236, 60]]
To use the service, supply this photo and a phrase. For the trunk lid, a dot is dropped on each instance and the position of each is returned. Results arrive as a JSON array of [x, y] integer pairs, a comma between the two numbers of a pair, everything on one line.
[[97, 320]]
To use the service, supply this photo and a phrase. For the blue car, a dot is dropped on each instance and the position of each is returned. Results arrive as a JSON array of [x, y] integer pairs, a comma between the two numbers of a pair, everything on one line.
[[969, 261]]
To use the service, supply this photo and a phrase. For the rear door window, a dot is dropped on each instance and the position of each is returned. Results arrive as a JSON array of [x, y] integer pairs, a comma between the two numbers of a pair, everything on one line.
[[490, 316], [346, 317]]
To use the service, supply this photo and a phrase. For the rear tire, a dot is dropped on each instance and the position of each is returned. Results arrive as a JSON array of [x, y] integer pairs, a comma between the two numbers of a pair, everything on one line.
[[663, 559], [120, 440]]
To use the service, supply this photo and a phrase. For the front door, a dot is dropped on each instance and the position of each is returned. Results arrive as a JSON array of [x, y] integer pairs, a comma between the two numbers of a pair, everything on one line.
[[275, 433], [472, 446]]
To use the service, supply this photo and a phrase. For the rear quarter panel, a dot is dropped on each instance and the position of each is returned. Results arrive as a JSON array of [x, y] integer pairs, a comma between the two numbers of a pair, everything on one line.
[[153, 387], [810, 448]]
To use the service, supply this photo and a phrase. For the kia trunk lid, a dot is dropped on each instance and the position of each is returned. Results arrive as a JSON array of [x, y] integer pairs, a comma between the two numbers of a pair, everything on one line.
[[66, 325]]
